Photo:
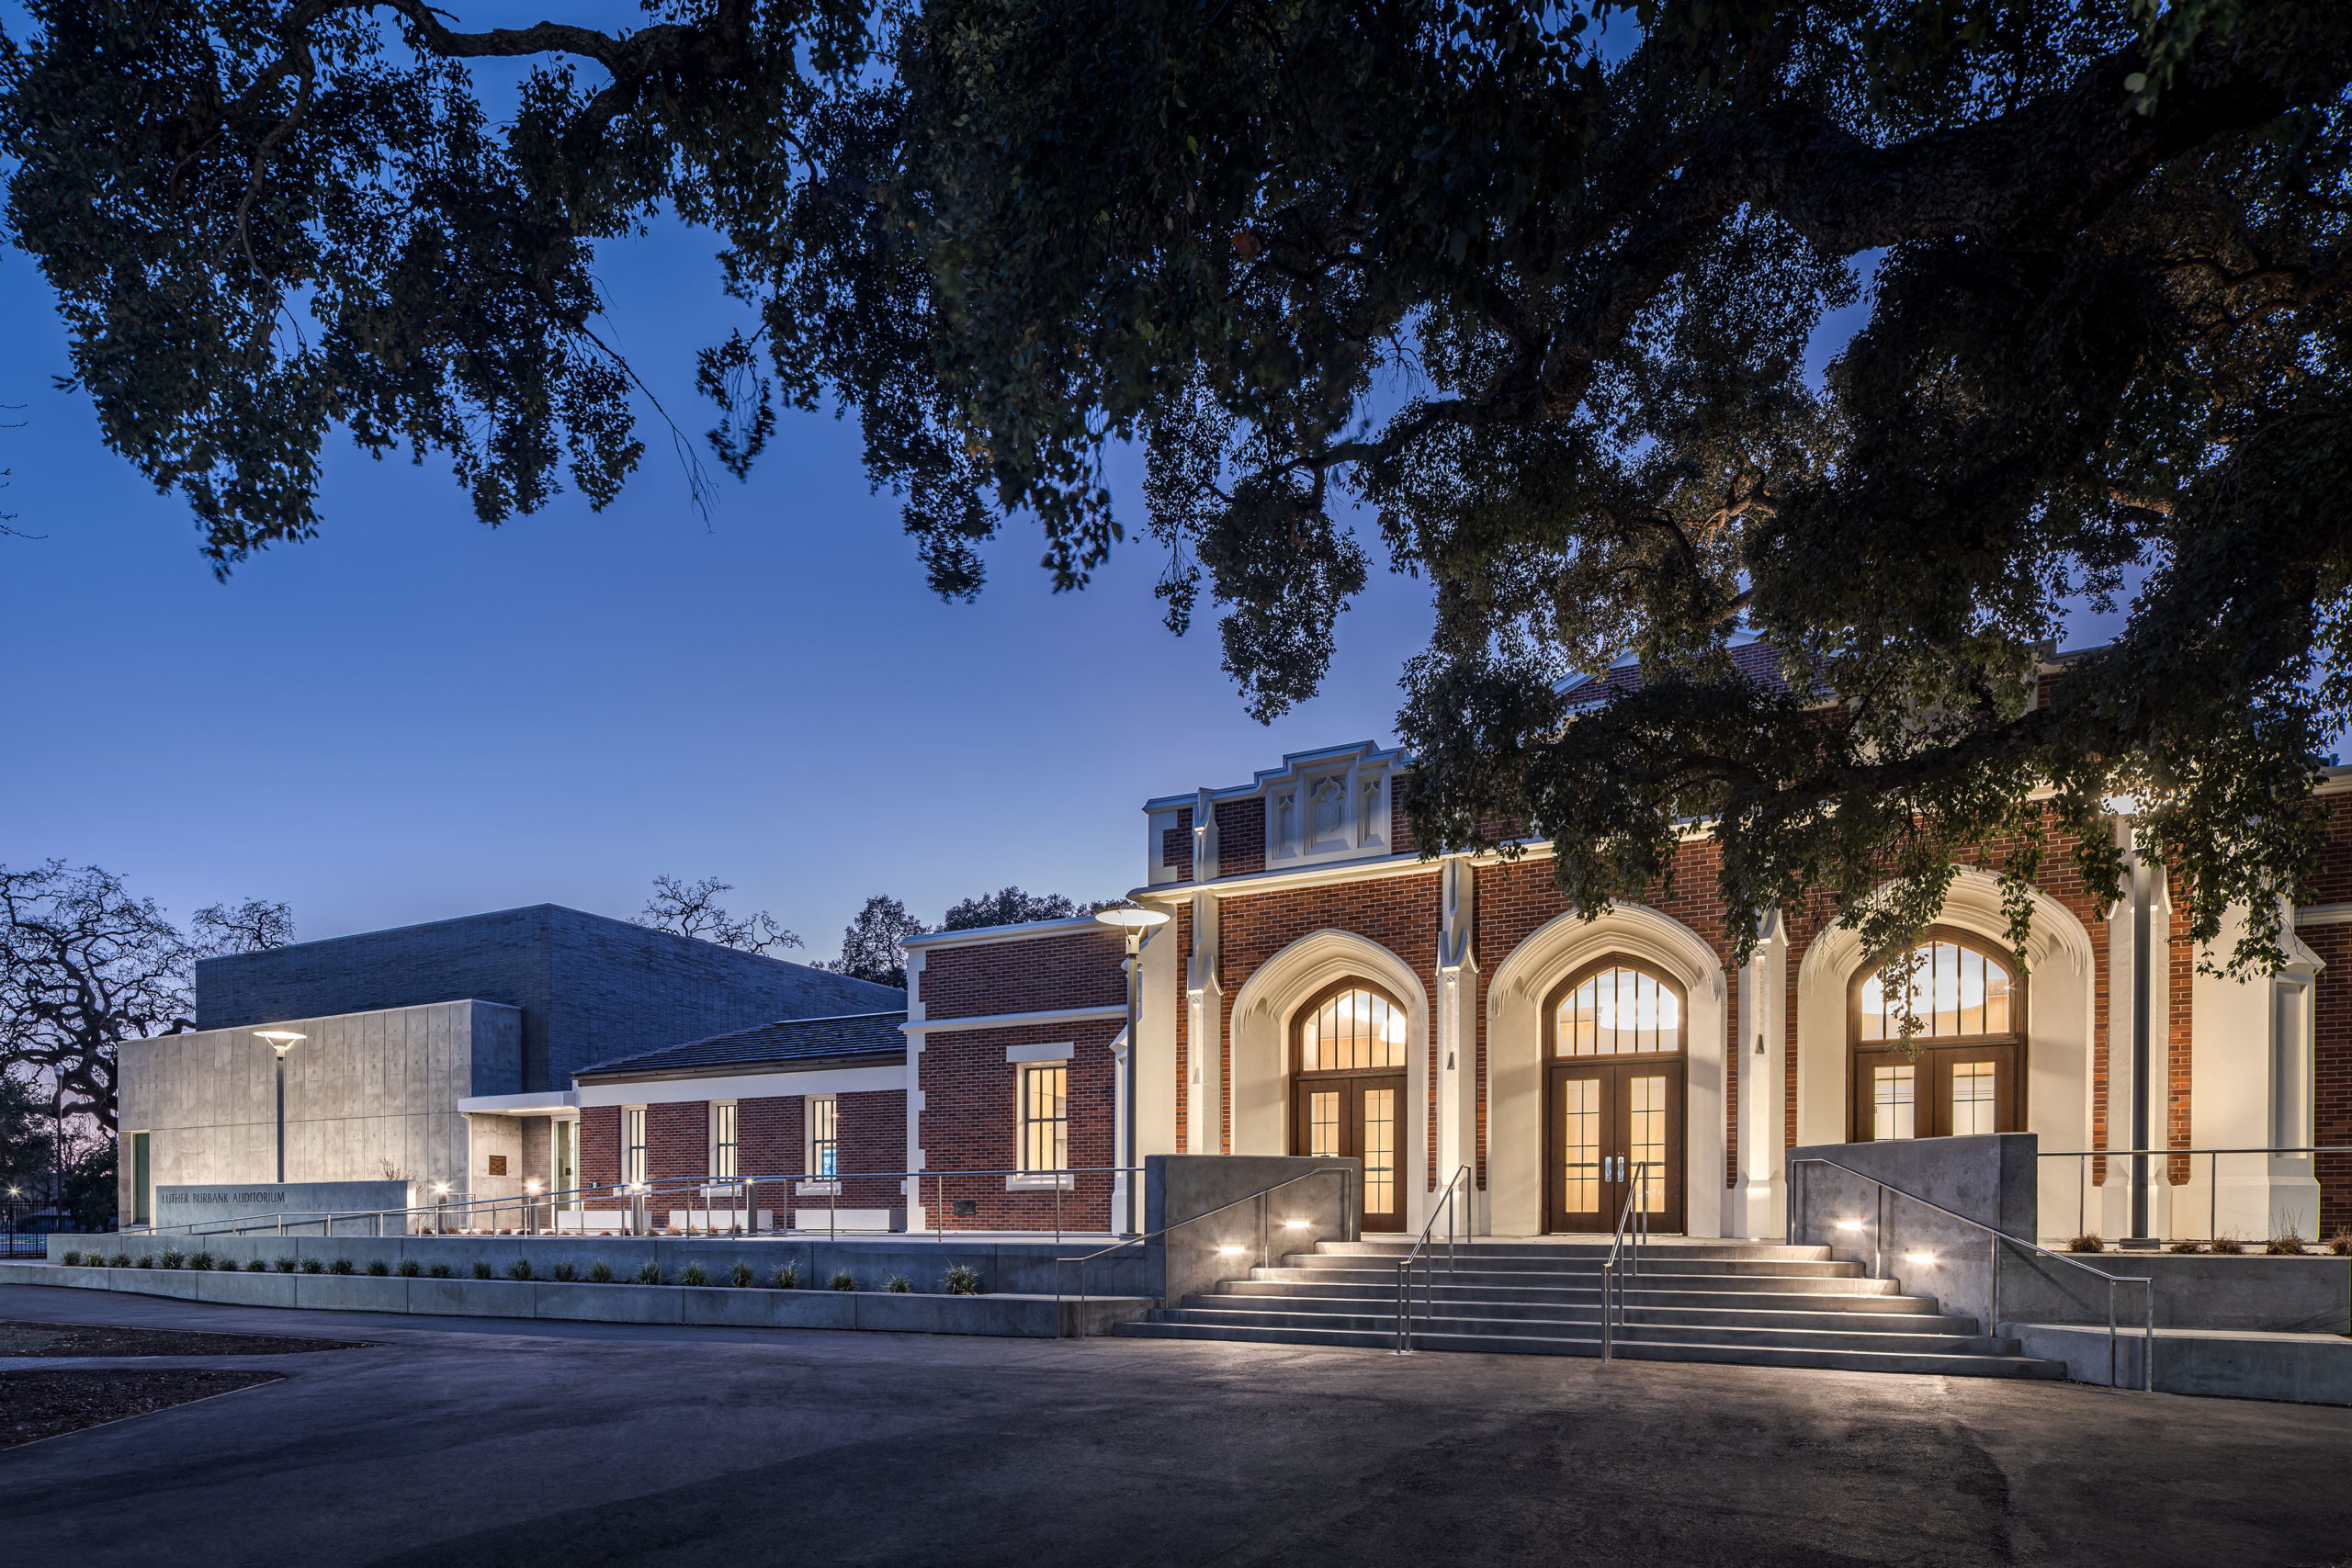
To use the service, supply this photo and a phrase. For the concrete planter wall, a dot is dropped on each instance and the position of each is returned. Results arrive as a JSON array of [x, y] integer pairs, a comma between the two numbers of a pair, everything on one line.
[[1003, 1315]]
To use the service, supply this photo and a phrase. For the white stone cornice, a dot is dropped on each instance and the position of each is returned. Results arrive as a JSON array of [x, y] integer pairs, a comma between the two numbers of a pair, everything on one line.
[[1012, 1020]]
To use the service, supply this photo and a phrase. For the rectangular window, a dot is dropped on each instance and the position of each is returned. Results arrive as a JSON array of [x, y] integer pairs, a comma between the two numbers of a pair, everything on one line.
[[141, 1192], [1972, 1098], [722, 1140], [1044, 1096], [633, 1144], [566, 1141], [1893, 1113], [824, 1136]]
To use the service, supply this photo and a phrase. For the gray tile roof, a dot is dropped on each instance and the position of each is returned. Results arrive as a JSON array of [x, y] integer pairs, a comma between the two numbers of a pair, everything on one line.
[[791, 1040]]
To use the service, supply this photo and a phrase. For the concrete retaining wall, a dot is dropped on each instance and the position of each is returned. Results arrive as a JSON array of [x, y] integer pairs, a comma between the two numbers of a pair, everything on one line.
[[2302, 1369], [2291, 1295], [1002, 1315], [1193, 1258], [1989, 1178]]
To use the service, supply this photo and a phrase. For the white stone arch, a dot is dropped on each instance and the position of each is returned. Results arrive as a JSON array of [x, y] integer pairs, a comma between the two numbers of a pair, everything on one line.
[[1262, 1017], [1515, 1150], [2059, 1009]]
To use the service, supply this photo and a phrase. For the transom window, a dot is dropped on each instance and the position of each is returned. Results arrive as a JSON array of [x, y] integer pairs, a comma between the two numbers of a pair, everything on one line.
[[1044, 1115], [1353, 1029], [1619, 1011], [1947, 991]]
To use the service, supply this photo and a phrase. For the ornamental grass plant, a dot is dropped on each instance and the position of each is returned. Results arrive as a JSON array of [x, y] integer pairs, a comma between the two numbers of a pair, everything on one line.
[[2090, 1242], [649, 1275], [961, 1280], [600, 1272], [408, 1268], [740, 1275], [842, 1282], [693, 1274], [785, 1277]]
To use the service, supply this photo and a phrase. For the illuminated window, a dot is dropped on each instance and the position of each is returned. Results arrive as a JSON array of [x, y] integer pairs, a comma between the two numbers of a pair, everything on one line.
[[1044, 1115], [1618, 1012], [1946, 990], [1972, 1098], [633, 1144], [824, 1135], [1893, 1105], [1323, 1123], [1354, 1029], [1380, 1151], [722, 1140], [1581, 1145]]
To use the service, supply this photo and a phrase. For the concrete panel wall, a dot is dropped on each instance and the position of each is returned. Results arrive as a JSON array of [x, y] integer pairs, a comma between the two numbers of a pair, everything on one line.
[[364, 1092], [1988, 1179], [590, 988]]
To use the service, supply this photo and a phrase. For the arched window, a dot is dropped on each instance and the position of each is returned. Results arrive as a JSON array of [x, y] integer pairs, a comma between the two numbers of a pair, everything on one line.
[[1939, 1036], [1617, 1012], [1348, 1098], [1614, 1036]]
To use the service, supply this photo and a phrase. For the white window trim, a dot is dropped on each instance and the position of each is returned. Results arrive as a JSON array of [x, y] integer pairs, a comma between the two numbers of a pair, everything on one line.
[[1063, 1051], [1043, 1179]]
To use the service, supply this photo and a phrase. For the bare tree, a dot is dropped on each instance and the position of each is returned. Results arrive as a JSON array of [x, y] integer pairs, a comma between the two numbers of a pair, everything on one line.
[[85, 966], [250, 927], [695, 910]]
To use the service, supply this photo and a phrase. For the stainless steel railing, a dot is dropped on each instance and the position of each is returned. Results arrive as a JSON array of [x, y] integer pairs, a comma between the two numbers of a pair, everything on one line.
[[2083, 1183], [1459, 1185], [1633, 1227], [1996, 1240], [531, 1210], [1346, 1173]]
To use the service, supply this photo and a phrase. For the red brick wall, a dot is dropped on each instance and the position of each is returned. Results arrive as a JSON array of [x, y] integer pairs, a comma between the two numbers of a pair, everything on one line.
[[771, 1140], [970, 1122], [1176, 845], [2331, 1071], [1040, 975], [1240, 837]]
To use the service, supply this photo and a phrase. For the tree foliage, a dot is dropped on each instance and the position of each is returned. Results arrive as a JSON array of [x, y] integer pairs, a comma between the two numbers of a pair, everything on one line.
[[694, 910], [254, 925], [873, 944], [1011, 907], [1532, 287]]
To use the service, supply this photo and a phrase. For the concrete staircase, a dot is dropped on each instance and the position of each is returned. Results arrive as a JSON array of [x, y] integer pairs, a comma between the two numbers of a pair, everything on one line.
[[1739, 1302]]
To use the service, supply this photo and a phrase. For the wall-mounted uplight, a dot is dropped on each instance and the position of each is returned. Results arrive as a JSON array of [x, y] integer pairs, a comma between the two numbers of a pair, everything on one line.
[[1293, 1224], [1850, 1224], [1228, 1252], [531, 1185], [441, 1187], [1918, 1258]]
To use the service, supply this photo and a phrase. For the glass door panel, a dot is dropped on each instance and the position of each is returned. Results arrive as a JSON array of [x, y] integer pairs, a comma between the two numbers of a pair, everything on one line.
[[1645, 1133], [1378, 1141], [1613, 1127], [1358, 1116]]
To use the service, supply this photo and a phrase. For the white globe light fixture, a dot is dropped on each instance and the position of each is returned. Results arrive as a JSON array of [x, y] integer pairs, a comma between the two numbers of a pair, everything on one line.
[[280, 1041], [1133, 924]]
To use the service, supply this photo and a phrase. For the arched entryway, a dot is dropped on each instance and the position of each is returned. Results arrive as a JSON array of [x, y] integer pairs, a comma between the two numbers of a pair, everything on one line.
[[1616, 1078], [1939, 1041], [1348, 1089]]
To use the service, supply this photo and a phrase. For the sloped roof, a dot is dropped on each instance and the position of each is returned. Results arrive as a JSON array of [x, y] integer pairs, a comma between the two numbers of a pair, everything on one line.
[[1759, 661], [790, 1041]]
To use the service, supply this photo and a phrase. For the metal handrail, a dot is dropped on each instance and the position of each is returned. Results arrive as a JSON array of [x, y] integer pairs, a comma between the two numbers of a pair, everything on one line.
[[1459, 1180], [1632, 1225], [528, 1204], [1344, 1172], [1993, 1309], [2212, 1173]]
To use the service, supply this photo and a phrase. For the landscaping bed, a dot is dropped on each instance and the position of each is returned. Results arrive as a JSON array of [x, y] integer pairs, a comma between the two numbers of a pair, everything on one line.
[[18, 1338], [37, 1405]]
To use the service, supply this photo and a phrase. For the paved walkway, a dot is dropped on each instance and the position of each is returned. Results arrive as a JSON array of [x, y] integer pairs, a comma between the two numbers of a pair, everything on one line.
[[500, 1442]]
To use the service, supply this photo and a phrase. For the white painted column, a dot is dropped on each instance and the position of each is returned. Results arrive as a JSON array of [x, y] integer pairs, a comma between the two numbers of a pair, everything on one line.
[[917, 1218], [1455, 1044], [1204, 1026], [1763, 1085], [1119, 1048]]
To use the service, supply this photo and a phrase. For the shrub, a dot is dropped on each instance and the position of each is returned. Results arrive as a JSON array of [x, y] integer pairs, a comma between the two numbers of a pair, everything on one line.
[[378, 1268], [2289, 1243], [565, 1272], [740, 1275], [482, 1268], [286, 1265], [898, 1285], [340, 1266], [961, 1280], [257, 1267], [438, 1271], [2228, 1243], [408, 1268], [841, 1282], [119, 1260], [72, 1259], [600, 1272], [201, 1262], [172, 1258], [2183, 1247], [649, 1275], [146, 1261], [2340, 1243], [785, 1277], [519, 1270], [693, 1274], [2090, 1242], [226, 1265], [312, 1266]]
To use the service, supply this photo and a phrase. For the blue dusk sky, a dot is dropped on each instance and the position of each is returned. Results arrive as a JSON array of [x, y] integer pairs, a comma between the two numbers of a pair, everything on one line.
[[418, 717]]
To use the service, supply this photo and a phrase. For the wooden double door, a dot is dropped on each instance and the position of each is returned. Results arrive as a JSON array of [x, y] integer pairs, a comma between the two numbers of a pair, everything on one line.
[[1612, 1127], [1358, 1116], [1944, 1091]]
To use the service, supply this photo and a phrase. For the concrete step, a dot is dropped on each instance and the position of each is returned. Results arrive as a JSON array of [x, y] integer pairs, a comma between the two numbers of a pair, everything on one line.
[[1950, 1344], [1588, 1295], [1580, 1250], [1729, 1314], [1651, 1263], [1979, 1366], [1843, 1284]]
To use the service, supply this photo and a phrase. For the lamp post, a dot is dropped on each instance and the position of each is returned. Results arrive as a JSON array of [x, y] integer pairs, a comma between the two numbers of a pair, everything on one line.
[[2125, 808], [280, 1041], [1132, 924]]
